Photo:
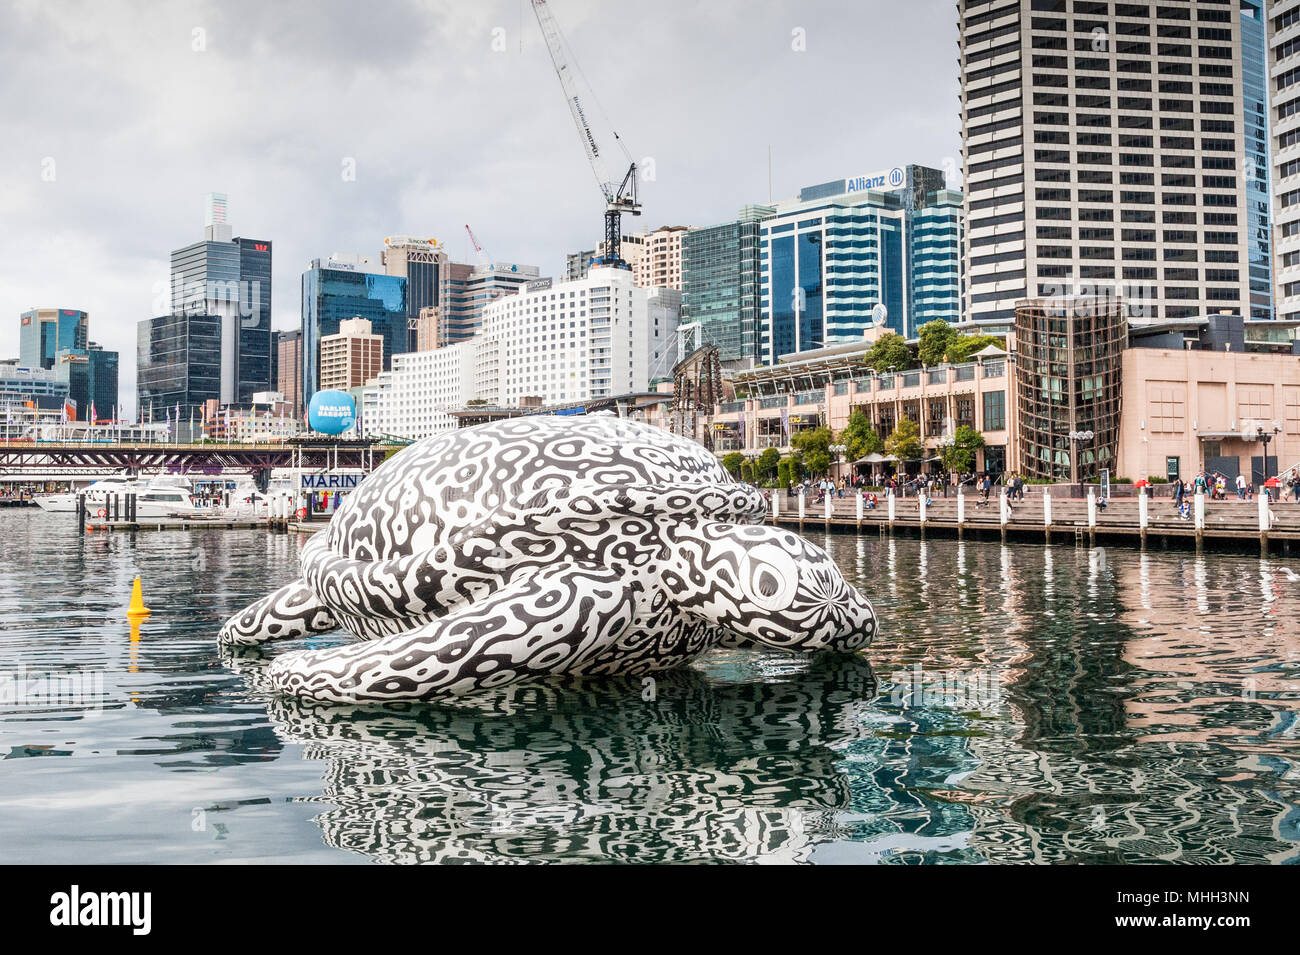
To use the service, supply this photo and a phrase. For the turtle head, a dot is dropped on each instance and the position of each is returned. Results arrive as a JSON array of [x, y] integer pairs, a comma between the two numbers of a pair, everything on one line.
[[769, 585]]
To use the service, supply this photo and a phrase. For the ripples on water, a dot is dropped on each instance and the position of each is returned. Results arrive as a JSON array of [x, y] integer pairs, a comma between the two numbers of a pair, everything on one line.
[[1023, 704]]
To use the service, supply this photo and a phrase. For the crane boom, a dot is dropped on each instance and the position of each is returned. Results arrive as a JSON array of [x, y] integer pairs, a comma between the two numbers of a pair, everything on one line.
[[478, 249], [618, 199]]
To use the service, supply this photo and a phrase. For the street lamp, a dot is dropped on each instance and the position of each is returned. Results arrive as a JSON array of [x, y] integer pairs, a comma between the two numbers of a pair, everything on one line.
[[837, 450], [1264, 436], [1076, 437]]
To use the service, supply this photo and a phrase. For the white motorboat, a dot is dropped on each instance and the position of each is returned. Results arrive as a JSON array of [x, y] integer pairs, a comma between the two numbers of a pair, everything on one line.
[[168, 501], [96, 496]]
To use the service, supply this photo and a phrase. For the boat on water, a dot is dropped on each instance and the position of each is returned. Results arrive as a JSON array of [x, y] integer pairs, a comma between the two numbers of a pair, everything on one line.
[[163, 497], [97, 495]]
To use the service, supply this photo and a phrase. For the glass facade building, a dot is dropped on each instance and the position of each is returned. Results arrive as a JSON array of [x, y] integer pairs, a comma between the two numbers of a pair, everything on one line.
[[254, 370], [231, 279], [721, 282], [420, 262], [331, 294], [829, 258], [934, 234], [178, 362], [1068, 363], [1259, 226], [44, 332], [103, 383]]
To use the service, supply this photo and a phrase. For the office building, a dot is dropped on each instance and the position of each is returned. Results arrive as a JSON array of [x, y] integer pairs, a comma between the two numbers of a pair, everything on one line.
[[343, 287], [1103, 147], [1284, 122], [24, 386], [877, 249], [351, 357], [44, 332], [103, 385], [466, 290], [571, 341], [91, 379], [229, 278], [721, 282], [178, 364], [419, 261], [288, 368]]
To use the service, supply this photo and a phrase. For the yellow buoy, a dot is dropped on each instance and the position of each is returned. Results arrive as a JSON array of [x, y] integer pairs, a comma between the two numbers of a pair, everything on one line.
[[137, 608]]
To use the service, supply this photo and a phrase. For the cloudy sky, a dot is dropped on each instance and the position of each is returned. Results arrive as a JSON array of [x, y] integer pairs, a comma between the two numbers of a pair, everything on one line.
[[120, 116]]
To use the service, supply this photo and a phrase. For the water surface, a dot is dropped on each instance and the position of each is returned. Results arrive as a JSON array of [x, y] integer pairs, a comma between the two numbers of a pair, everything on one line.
[[1023, 704]]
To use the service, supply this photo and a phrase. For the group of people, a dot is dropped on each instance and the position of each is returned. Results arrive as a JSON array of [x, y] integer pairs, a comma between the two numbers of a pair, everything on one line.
[[920, 485], [1215, 486]]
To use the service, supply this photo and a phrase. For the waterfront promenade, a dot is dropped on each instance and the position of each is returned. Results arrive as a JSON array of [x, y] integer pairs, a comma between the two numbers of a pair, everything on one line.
[[1230, 524]]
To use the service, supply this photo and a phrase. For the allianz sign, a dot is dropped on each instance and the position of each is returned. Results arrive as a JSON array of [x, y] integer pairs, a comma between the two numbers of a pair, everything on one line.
[[890, 179]]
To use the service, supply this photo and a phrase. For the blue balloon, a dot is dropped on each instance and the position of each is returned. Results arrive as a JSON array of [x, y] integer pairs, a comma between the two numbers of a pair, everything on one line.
[[331, 412]]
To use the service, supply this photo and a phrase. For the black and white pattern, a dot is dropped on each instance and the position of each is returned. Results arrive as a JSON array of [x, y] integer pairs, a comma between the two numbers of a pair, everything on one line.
[[545, 545]]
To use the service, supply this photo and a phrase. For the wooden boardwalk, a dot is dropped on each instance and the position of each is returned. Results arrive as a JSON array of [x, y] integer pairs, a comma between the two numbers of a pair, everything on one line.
[[1230, 524]]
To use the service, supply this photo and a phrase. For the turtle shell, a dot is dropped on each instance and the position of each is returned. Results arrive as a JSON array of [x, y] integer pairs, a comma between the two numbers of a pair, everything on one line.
[[440, 487]]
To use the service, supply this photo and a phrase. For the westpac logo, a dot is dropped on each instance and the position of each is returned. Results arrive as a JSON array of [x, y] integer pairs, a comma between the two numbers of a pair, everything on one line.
[[887, 179], [74, 907]]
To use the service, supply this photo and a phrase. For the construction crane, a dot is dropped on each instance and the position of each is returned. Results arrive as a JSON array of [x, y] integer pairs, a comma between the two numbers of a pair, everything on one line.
[[619, 198], [483, 259]]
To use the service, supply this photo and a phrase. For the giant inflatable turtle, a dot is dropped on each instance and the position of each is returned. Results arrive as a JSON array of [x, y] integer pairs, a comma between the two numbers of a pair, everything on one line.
[[542, 545]]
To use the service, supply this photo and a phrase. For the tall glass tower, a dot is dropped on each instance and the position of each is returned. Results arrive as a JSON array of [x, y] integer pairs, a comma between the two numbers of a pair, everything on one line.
[[44, 332], [333, 291], [720, 284], [229, 278], [1259, 227], [828, 260]]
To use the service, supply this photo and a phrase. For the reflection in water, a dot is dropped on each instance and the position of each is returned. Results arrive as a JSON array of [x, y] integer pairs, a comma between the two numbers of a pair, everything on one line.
[[736, 766], [1022, 703]]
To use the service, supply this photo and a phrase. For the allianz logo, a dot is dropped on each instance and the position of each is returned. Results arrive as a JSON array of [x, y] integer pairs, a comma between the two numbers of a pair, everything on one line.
[[75, 907], [893, 179]]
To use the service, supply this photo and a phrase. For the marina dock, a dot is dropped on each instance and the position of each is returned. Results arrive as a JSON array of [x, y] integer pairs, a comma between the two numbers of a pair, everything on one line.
[[1228, 524]]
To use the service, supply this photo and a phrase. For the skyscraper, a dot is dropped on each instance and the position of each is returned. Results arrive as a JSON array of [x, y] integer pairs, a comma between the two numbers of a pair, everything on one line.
[[288, 368], [466, 290], [1102, 150], [91, 377], [44, 332], [420, 262], [1284, 119], [339, 288], [720, 284], [178, 362], [229, 278], [843, 248]]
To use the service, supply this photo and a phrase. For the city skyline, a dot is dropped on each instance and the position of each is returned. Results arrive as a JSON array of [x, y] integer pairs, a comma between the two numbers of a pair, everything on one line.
[[107, 169]]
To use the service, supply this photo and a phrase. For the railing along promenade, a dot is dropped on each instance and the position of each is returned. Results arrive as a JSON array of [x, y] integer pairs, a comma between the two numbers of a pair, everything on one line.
[[1141, 521]]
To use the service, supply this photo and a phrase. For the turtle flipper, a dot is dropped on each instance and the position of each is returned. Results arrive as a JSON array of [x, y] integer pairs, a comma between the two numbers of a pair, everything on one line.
[[292, 611], [552, 620]]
